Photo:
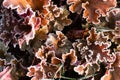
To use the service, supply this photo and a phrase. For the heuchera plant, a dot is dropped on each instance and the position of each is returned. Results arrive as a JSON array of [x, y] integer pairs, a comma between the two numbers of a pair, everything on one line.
[[60, 39]]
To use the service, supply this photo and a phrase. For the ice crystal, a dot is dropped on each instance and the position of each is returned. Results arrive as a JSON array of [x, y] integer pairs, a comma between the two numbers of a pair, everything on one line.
[[65, 39]]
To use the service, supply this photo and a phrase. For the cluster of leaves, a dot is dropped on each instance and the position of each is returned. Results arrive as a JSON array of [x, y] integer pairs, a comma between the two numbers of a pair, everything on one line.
[[64, 39]]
